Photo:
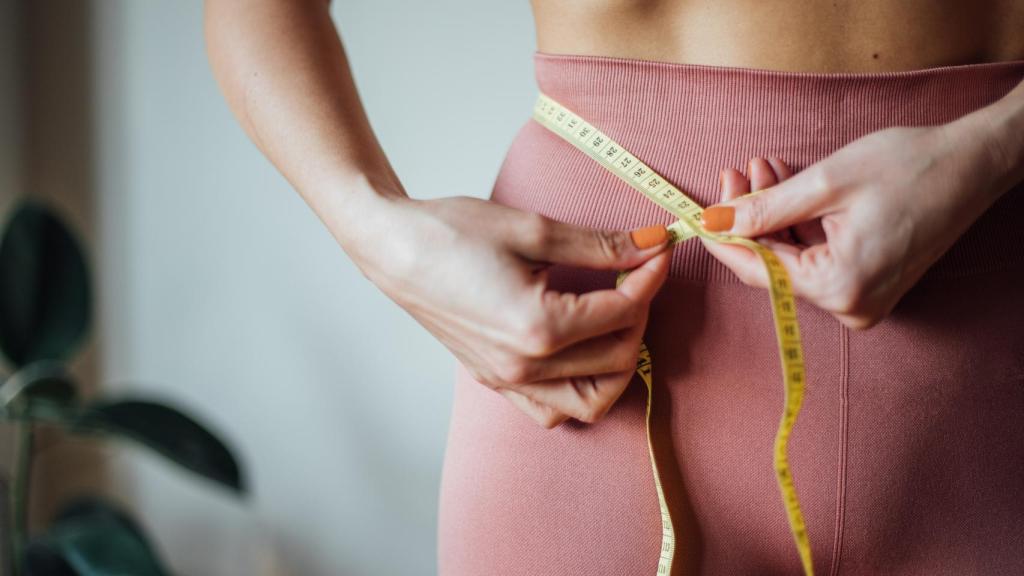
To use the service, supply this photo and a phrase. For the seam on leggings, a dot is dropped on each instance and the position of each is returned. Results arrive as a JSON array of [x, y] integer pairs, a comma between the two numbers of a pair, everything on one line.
[[844, 396]]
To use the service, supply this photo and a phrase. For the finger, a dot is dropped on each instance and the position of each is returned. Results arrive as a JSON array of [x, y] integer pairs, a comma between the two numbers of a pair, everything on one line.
[[744, 263], [763, 174], [807, 233], [782, 170], [585, 398], [612, 352], [571, 318], [808, 269], [548, 240], [734, 184], [544, 415], [644, 281], [588, 397], [796, 200]]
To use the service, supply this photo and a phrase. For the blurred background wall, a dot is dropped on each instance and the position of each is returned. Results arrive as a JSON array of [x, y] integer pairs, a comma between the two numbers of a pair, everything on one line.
[[10, 100], [10, 160], [221, 292]]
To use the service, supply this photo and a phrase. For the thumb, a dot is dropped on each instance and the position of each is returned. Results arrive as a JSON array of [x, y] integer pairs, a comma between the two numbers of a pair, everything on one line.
[[562, 243], [769, 210]]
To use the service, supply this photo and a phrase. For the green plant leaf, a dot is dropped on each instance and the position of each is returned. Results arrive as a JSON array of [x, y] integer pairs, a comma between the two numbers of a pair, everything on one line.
[[40, 391], [44, 288], [168, 432], [92, 538]]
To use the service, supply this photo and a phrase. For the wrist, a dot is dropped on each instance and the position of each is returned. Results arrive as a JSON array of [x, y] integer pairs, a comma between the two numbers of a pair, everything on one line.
[[361, 209]]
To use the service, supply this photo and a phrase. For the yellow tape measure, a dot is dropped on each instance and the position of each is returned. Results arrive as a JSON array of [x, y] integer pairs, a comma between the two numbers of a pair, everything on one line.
[[620, 162]]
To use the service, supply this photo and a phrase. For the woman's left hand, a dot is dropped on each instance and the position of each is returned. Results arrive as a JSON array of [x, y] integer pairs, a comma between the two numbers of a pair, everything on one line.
[[859, 228]]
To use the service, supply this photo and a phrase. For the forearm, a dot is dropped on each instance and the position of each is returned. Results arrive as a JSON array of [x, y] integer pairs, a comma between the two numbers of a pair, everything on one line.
[[283, 70], [996, 133], [1006, 117]]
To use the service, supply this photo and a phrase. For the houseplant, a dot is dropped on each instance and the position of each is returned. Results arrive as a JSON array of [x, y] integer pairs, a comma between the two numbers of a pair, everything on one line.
[[45, 298]]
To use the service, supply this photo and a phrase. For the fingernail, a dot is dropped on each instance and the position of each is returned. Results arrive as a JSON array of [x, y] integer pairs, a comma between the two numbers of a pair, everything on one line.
[[649, 236], [718, 218]]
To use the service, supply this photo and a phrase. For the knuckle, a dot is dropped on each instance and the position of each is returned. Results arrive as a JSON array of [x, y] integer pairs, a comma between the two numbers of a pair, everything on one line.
[[536, 230], [590, 413], [823, 179], [549, 421], [851, 299], [587, 416], [536, 338], [514, 371], [870, 322], [612, 245], [856, 304], [865, 316], [861, 322], [757, 213]]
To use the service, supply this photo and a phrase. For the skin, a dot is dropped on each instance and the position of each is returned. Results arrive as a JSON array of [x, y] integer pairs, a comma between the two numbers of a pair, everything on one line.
[[792, 35], [481, 286]]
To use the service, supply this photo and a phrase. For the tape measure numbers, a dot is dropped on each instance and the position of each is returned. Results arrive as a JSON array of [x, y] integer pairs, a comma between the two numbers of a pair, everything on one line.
[[656, 188]]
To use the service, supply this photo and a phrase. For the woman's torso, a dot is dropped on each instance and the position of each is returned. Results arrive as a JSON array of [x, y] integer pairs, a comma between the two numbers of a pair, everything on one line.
[[906, 453], [792, 35]]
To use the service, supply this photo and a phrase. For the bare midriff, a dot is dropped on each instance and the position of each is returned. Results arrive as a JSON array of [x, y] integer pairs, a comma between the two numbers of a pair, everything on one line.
[[792, 35]]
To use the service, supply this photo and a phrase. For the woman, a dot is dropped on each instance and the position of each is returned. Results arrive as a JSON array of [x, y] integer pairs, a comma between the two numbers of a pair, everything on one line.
[[886, 139]]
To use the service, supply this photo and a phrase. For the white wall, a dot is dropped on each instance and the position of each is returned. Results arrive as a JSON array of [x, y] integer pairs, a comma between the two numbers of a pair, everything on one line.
[[221, 291]]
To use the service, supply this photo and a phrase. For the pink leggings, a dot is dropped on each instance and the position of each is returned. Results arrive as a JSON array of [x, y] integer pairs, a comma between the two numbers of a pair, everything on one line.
[[909, 453]]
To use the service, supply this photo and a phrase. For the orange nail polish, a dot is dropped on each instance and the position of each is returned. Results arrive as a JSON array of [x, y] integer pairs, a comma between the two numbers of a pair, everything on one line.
[[718, 218], [649, 236]]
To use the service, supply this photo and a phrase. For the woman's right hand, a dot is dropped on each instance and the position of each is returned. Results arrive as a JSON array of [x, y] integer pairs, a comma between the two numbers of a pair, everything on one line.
[[474, 273]]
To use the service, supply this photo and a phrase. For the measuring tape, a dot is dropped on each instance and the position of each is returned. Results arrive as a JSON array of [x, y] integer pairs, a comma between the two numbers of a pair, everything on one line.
[[656, 188]]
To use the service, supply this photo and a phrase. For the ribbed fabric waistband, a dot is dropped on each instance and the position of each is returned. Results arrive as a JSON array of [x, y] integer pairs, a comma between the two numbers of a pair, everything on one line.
[[688, 121]]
